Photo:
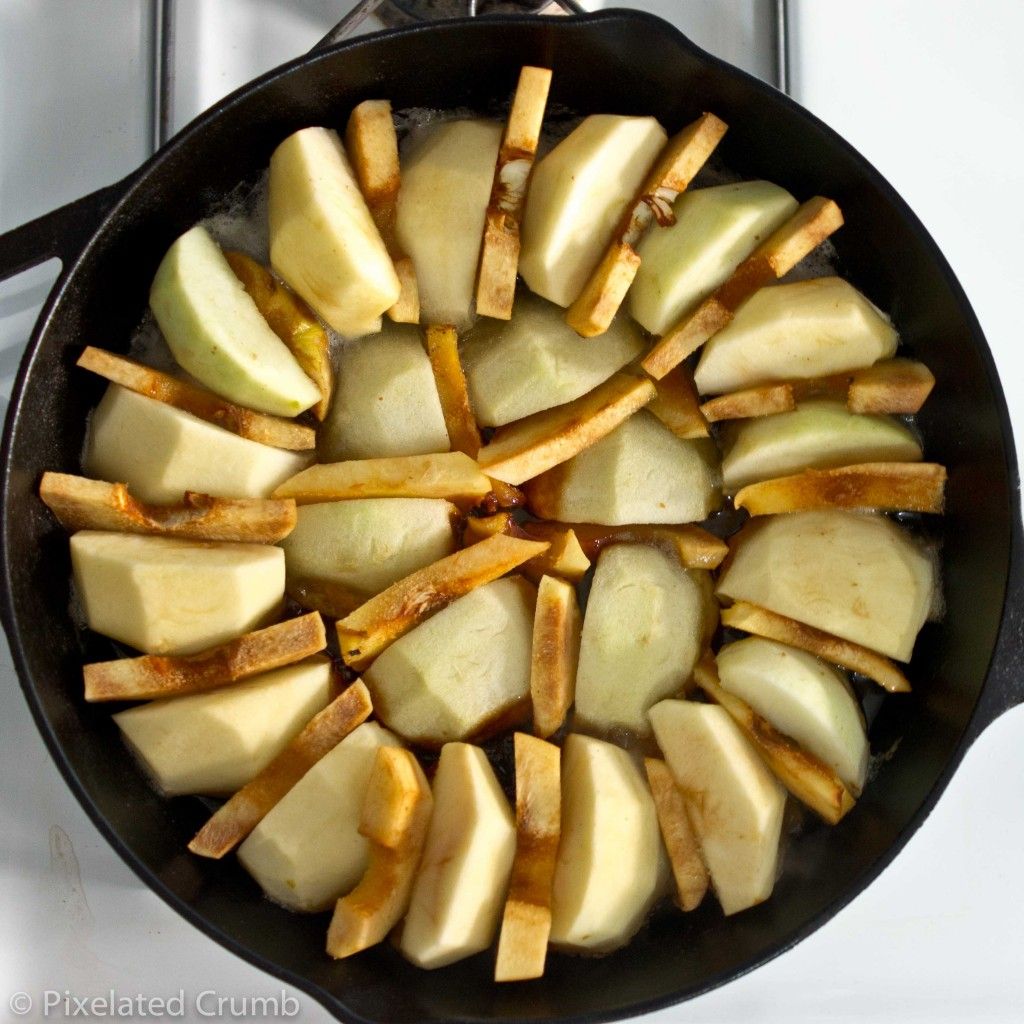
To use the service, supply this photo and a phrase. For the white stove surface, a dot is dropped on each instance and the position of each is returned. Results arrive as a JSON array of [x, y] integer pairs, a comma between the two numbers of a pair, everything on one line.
[[931, 95]]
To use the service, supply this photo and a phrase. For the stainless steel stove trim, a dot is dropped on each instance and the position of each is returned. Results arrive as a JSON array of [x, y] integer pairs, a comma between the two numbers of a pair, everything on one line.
[[162, 71]]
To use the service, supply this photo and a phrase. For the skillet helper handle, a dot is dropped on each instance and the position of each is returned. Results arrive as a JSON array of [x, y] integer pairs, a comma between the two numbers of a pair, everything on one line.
[[63, 232], [1004, 688]]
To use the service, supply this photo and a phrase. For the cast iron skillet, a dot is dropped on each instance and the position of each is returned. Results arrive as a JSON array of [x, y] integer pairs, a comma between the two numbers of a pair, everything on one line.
[[966, 671]]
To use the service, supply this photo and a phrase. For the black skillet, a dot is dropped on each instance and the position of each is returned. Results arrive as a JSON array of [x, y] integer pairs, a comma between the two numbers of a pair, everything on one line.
[[966, 671]]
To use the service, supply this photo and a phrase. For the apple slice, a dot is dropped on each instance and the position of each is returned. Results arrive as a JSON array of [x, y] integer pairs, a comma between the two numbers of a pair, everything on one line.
[[307, 851], [805, 775], [395, 815], [761, 622], [166, 596], [764, 400], [734, 802], [801, 697], [214, 743], [714, 230], [564, 557], [803, 232], [405, 604], [812, 328], [462, 674], [611, 865], [372, 144], [236, 818], [860, 577], [881, 486], [536, 361], [680, 160], [447, 173], [554, 655], [83, 504], [681, 843], [198, 402], [692, 545], [578, 193], [155, 675], [499, 255], [323, 241], [161, 453], [646, 624], [639, 473], [385, 401], [443, 351], [526, 448], [458, 893], [292, 321], [368, 544], [896, 385], [820, 434], [215, 331], [451, 475], [677, 406], [526, 923]]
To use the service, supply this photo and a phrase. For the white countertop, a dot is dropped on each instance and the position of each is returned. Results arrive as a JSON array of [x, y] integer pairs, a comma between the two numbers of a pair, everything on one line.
[[931, 94]]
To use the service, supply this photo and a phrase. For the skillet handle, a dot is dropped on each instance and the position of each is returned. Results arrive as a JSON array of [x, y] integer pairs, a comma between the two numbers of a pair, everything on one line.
[[63, 232], [1004, 687]]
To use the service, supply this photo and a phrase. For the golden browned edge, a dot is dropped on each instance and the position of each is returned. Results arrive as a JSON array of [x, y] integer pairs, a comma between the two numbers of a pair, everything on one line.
[[83, 504], [236, 818], [761, 622], [451, 475], [153, 675], [383, 619], [530, 446], [291, 319], [694, 546], [395, 817], [161, 387], [526, 923], [554, 655], [499, 254], [881, 486], [564, 558], [890, 386], [682, 157], [372, 145], [807, 777], [443, 351], [766, 400], [681, 843], [809, 226], [677, 405], [328, 597]]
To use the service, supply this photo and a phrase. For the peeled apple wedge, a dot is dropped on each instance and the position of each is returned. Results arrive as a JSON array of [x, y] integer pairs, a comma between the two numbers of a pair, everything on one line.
[[215, 331], [611, 865], [734, 802], [366, 544], [447, 174], [160, 452], [640, 473], [385, 400], [323, 241], [804, 698], [578, 194], [860, 577], [536, 360], [715, 230], [166, 596], [307, 851], [818, 434], [644, 629], [796, 331], [459, 891], [462, 670], [214, 743]]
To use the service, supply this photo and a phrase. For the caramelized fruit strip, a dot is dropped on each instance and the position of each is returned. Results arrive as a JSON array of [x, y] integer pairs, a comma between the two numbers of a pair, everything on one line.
[[443, 350], [555, 654], [766, 400], [677, 405]]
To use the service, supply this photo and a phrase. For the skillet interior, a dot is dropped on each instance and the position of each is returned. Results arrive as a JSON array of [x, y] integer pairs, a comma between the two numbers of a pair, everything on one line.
[[618, 62]]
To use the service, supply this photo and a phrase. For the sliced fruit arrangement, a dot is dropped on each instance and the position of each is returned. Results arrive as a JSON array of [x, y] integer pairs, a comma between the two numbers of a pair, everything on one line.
[[517, 511]]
